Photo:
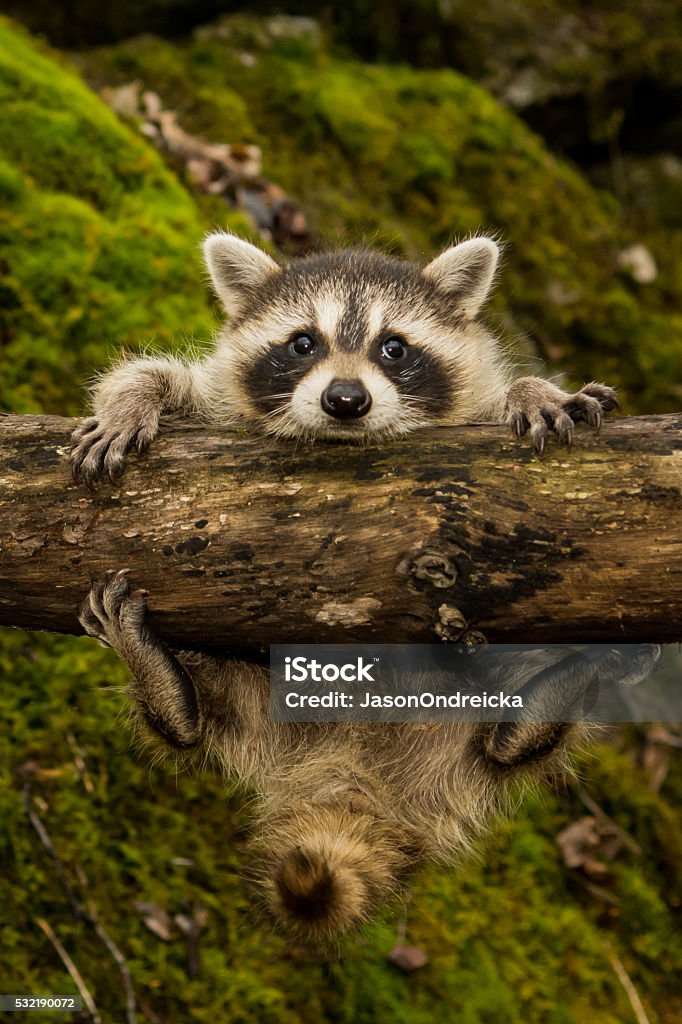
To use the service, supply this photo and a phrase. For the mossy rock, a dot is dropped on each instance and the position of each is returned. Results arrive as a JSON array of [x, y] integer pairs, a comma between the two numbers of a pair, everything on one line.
[[407, 160]]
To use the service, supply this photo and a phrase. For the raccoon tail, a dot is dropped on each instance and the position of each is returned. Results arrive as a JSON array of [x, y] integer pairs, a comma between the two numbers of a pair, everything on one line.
[[328, 869]]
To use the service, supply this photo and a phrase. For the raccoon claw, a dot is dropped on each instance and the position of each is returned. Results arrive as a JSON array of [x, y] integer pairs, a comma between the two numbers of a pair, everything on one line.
[[99, 446], [539, 406], [588, 404], [112, 613], [605, 395]]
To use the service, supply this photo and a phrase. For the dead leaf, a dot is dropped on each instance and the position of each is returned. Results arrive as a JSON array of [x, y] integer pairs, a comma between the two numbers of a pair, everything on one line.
[[577, 840], [125, 99], [229, 170], [407, 958], [156, 919], [657, 754], [587, 843]]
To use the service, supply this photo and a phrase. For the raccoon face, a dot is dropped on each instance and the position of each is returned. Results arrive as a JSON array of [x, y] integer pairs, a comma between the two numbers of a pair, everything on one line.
[[349, 344]]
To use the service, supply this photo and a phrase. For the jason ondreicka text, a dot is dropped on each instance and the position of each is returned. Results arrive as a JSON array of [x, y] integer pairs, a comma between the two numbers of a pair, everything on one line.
[[336, 699]]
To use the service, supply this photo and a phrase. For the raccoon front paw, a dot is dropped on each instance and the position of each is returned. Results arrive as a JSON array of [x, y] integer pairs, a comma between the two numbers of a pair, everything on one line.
[[115, 615], [540, 406], [99, 444]]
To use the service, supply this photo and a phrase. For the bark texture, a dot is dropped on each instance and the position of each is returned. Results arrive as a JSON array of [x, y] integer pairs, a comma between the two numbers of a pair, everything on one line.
[[243, 541]]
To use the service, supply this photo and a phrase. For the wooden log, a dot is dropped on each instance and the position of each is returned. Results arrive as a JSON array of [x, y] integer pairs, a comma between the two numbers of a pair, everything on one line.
[[243, 540]]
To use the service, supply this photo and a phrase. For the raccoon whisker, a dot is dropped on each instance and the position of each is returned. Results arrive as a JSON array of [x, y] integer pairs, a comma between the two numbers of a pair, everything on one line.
[[289, 428], [415, 399], [276, 367], [274, 413]]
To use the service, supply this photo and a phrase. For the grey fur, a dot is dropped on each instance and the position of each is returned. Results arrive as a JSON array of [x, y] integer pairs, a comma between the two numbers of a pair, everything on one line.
[[345, 812]]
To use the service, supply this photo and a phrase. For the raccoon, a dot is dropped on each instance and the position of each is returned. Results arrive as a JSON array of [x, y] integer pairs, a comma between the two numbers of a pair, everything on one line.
[[347, 346]]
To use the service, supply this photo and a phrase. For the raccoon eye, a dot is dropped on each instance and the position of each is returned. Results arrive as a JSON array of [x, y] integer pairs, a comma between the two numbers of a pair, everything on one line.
[[302, 345], [394, 348]]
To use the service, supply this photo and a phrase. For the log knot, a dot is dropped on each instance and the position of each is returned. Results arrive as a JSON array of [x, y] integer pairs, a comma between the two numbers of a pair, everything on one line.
[[432, 566]]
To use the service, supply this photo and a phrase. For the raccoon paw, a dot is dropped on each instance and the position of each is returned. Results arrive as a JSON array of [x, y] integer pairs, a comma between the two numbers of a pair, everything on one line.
[[629, 665], [540, 406], [561, 698], [99, 444], [162, 688], [115, 615]]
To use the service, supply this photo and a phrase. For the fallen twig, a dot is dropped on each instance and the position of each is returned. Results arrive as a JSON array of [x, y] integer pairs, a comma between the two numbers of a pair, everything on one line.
[[72, 969], [42, 833], [595, 890], [191, 923], [630, 990], [104, 936], [87, 914], [81, 766]]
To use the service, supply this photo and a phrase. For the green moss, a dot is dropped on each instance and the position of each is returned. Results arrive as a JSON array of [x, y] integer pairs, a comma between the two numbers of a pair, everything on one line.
[[410, 159], [99, 241], [511, 938]]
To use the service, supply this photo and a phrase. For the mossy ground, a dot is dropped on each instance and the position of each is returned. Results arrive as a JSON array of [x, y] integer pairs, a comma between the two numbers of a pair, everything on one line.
[[511, 937], [99, 248]]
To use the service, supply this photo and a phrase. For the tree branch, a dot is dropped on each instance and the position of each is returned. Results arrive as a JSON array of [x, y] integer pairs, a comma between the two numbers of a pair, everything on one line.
[[243, 541]]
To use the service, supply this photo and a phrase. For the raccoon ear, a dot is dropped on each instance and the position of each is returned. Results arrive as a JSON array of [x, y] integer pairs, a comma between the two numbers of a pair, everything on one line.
[[465, 272], [237, 269]]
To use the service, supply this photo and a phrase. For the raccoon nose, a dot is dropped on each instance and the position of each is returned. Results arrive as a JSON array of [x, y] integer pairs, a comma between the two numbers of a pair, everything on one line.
[[346, 399]]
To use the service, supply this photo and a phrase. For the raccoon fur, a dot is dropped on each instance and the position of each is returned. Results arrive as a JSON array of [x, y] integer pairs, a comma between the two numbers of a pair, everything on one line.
[[349, 346]]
